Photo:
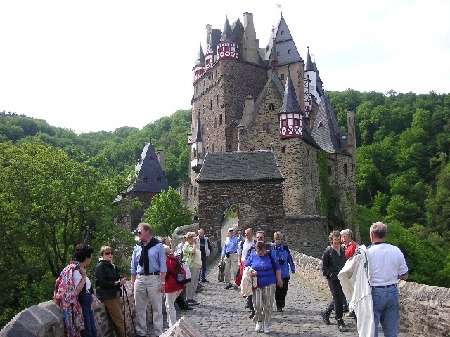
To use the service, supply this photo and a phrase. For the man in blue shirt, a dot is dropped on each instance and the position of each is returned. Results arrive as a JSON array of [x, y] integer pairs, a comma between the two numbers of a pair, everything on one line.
[[148, 279], [229, 256]]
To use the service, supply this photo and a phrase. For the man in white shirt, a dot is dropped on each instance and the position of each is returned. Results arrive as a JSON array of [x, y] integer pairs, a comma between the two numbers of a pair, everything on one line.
[[386, 265]]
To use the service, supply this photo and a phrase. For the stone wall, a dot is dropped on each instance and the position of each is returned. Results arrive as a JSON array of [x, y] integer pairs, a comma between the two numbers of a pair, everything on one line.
[[45, 320], [424, 310]]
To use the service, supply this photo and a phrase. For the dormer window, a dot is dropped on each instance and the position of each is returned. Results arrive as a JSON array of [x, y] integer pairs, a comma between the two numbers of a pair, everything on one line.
[[282, 32]]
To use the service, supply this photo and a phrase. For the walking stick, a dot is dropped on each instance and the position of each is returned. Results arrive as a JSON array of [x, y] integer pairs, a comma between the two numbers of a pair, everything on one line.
[[129, 308], [124, 310]]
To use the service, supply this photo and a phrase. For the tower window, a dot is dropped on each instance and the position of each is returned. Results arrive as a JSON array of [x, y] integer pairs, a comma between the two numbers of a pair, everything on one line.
[[282, 32], [289, 51], [266, 127], [217, 98], [220, 119], [210, 104], [282, 77], [271, 107], [283, 149], [345, 169]]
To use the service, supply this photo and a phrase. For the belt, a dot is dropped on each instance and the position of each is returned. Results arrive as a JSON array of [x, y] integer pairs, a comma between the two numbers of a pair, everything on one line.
[[232, 253], [152, 273], [388, 286]]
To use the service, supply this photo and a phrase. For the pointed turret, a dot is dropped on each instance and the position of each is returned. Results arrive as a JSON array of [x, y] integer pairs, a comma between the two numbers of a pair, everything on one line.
[[197, 154], [199, 67], [309, 65], [286, 51], [227, 46], [291, 124]]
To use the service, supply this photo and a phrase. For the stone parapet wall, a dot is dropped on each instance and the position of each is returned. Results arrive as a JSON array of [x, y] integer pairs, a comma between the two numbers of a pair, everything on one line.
[[45, 320], [424, 310]]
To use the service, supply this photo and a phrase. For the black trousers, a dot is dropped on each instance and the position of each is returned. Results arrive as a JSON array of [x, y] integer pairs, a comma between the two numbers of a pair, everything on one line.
[[336, 292], [280, 294]]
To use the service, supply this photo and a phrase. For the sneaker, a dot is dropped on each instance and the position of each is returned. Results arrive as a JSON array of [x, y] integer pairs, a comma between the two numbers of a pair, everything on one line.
[[187, 308], [228, 286], [198, 290], [341, 326], [192, 302], [267, 329], [235, 287], [258, 326], [205, 281], [325, 317], [279, 309]]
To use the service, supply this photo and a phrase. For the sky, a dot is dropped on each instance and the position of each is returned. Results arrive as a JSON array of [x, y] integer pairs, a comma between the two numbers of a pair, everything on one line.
[[93, 65]]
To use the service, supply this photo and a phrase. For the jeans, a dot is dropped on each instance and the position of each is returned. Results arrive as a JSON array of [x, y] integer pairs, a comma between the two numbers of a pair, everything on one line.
[[336, 291], [88, 315], [386, 310], [202, 276]]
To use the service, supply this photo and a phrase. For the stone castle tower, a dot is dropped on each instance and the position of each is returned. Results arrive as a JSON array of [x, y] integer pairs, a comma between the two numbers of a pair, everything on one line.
[[248, 98]]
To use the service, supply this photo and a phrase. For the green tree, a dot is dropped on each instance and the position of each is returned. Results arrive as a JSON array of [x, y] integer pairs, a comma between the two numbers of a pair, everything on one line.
[[48, 203], [167, 212]]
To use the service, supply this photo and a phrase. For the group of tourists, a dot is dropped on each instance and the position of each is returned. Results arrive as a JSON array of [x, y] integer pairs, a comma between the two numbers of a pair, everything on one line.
[[362, 279], [262, 270]]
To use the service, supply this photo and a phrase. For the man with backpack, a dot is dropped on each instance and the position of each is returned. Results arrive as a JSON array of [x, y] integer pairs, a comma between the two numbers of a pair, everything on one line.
[[283, 255]]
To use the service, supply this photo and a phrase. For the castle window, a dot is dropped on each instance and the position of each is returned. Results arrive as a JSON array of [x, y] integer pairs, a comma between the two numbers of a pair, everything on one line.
[[282, 77], [282, 32], [210, 104], [329, 170], [289, 51], [217, 98], [345, 169], [283, 149], [220, 119], [278, 53], [158, 179], [229, 147], [266, 127], [215, 122], [271, 107]]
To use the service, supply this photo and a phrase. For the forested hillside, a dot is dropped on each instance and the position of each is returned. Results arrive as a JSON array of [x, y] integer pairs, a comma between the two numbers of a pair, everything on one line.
[[57, 187]]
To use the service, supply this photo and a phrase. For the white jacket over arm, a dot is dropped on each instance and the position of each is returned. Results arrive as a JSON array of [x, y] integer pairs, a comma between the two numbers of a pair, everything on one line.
[[354, 277]]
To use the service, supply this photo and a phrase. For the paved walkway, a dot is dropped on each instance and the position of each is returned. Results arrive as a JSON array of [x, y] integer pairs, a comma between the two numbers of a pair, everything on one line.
[[221, 312]]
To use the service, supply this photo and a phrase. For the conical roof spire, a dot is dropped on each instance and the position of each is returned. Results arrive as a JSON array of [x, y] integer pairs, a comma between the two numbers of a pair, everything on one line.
[[227, 35], [309, 64], [290, 103], [200, 62]]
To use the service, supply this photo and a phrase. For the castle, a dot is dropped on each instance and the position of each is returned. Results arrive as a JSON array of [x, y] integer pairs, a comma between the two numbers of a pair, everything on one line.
[[247, 99]]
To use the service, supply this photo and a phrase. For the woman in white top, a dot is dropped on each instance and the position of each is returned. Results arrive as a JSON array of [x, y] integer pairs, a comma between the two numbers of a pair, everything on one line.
[[83, 287]]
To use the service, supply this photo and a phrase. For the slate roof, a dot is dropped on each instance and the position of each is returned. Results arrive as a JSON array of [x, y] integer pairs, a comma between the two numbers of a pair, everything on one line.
[[200, 62], [290, 103], [309, 65], [227, 34], [325, 129], [150, 176], [239, 166], [284, 45]]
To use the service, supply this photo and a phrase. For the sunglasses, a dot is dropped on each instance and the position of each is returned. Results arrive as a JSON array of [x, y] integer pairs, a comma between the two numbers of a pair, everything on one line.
[[108, 253], [260, 237]]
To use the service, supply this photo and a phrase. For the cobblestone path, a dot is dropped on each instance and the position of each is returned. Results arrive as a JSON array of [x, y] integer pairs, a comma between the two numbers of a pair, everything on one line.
[[221, 312]]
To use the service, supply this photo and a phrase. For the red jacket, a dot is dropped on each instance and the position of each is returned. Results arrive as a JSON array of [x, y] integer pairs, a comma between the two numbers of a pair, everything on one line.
[[350, 249], [171, 283]]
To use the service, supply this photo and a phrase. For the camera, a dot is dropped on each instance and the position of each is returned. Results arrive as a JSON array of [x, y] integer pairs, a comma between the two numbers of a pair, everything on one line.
[[280, 260]]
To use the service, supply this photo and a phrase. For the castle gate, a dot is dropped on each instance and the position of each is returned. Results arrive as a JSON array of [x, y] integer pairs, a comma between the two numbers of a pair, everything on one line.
[[251, 180]]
